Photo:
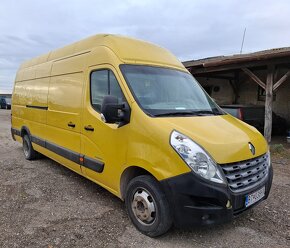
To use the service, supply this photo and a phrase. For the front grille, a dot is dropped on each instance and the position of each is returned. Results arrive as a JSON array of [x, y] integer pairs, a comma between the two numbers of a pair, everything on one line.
[[246, 174]]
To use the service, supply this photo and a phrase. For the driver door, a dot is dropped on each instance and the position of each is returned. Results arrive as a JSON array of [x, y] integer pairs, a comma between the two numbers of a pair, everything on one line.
[[103, 145]]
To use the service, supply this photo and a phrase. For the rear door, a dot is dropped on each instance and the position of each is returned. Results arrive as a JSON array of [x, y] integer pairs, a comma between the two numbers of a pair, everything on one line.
[[104, 145]]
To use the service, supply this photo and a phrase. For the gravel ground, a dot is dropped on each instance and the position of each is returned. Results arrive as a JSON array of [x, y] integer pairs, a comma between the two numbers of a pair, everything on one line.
[[43, 204]]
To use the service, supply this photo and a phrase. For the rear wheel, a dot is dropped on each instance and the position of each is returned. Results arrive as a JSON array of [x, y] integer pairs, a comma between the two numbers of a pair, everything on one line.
[[28, 150], [147, 206]]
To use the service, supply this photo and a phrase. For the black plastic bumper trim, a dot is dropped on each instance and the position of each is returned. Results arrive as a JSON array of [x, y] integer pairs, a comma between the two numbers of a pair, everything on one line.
[[196, 202]]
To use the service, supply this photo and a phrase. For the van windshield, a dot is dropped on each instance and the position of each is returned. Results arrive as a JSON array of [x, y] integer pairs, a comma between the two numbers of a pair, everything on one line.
[[168, 92]]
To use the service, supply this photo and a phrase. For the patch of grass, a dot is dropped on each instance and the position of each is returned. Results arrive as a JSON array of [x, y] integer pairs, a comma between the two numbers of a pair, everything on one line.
[[277, 148], [280, 151]]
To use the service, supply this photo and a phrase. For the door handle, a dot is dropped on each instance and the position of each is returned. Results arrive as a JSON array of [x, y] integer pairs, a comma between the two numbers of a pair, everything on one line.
[[70, 124], [89, 128]]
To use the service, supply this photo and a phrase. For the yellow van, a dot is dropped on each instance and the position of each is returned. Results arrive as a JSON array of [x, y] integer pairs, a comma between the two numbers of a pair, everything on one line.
[[127, 115]]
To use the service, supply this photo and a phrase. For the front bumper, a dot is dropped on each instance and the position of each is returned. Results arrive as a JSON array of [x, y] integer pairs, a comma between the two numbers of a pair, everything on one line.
[[199, 202]]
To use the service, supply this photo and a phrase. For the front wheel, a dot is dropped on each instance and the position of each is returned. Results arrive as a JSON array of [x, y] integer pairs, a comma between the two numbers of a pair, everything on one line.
[[147, 206]]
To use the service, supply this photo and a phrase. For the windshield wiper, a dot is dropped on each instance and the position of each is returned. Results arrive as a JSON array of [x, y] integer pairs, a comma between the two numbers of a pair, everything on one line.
[[176, 113], [206, 112], [192, 113]]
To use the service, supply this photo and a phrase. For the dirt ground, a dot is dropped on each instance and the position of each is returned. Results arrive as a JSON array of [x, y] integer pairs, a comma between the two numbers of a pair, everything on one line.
[[43, 204]]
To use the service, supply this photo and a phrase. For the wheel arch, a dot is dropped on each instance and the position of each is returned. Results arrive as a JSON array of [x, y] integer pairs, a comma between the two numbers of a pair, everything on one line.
[[25, 130], [128, 174]]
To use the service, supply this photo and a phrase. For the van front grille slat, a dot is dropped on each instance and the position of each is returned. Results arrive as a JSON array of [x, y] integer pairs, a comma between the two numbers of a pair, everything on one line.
[[246, 174]]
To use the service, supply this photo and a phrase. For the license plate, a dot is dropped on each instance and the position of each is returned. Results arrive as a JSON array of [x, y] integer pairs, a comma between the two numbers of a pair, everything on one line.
[[254, 197]]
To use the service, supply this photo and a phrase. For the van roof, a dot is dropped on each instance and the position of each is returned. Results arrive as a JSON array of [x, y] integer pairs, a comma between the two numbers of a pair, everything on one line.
[[128, 50]]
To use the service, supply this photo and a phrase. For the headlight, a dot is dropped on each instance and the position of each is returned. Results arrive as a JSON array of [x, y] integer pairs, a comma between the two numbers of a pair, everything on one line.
[[196, 157]]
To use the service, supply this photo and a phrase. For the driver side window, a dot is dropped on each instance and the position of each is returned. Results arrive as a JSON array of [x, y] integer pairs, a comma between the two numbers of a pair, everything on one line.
[[103, 83]]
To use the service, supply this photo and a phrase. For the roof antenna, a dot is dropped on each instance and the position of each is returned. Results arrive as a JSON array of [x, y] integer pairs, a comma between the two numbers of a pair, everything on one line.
[[243, 41]]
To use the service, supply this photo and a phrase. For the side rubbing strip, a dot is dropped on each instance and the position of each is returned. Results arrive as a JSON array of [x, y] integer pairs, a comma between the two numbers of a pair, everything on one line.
[[93, 164], [66, 153], [36, 107], [38, 141]]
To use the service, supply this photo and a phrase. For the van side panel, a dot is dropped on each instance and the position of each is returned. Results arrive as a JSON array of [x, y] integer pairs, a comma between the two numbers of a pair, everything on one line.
[[30, 102], [30, 99]]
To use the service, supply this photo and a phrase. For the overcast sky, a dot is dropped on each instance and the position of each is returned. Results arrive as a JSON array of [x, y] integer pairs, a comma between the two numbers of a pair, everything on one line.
[[191, 29]]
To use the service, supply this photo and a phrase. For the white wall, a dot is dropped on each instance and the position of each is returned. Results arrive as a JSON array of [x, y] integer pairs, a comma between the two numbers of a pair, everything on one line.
[[225, 95]]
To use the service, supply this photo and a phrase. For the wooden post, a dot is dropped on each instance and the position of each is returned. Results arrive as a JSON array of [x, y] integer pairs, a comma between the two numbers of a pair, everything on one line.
[[268, 103], [237, 83]]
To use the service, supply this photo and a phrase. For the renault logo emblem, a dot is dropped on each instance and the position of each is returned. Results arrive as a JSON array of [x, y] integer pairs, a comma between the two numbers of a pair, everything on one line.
[[252, 148]]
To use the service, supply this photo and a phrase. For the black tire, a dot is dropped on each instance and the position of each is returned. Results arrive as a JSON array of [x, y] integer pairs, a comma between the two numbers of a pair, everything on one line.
[[144, 191], [29, 152]]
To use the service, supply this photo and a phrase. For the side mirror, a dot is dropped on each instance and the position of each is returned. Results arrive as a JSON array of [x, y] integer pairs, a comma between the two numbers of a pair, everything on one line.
[[111, 110]]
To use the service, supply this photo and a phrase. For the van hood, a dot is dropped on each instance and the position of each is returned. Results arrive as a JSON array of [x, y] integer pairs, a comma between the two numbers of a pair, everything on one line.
[[224, 137]]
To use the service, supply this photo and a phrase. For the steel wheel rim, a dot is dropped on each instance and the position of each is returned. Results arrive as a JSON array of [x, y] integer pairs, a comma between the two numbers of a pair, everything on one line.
[[144, 207], [25, 148]]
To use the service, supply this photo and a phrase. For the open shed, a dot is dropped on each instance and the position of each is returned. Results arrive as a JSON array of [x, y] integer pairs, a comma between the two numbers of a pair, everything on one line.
[[260, 78]]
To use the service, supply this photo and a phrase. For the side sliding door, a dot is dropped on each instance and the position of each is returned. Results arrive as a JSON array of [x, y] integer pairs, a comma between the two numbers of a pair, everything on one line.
[[65, 111]]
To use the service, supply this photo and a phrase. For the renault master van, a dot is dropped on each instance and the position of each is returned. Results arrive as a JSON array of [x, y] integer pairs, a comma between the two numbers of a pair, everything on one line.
[[127, 115]]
